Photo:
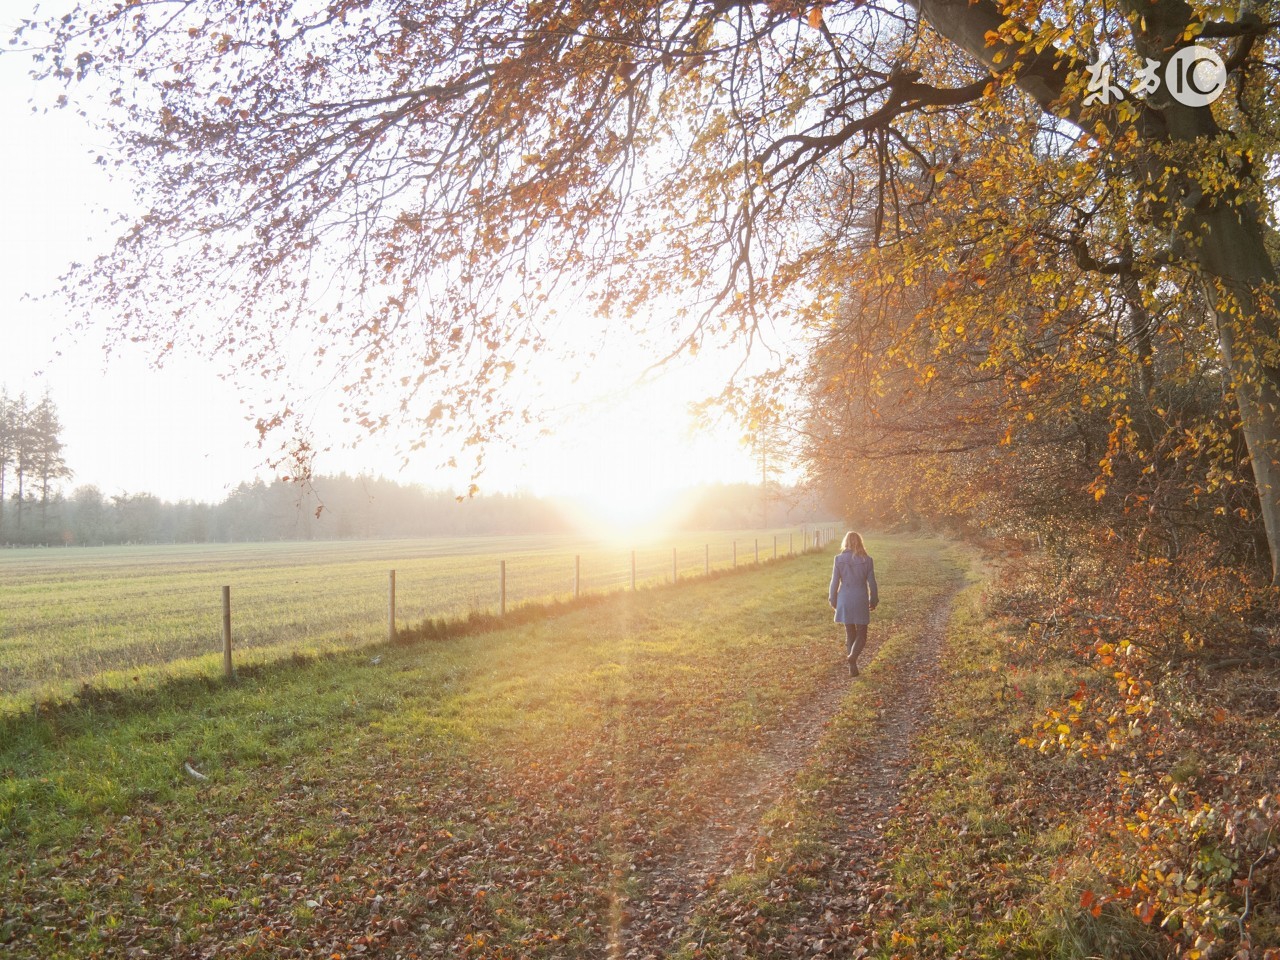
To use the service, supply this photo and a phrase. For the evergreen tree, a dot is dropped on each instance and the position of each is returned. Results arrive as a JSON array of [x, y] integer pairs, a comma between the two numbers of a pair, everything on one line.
[[20, 431], [31, 455], [47, 462], [8, 443]]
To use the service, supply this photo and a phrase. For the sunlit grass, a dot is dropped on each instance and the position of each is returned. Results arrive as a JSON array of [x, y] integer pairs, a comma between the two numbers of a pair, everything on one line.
[[556, 755], [121, 616]]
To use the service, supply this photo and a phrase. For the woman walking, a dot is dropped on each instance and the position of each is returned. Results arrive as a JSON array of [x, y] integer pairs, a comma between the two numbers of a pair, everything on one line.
[[853, 595]]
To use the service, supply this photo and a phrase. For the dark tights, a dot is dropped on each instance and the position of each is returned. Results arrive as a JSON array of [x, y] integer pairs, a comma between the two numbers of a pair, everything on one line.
[[855, 638]]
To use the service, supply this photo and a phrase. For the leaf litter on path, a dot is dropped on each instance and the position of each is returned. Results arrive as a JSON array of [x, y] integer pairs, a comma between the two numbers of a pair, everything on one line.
[[863, 800]]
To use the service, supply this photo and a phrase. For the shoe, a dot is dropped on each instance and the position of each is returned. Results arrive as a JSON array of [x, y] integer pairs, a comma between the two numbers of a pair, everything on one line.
[[853, 667]]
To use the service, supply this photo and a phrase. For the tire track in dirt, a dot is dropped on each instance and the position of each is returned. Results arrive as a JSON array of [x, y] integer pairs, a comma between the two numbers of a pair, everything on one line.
[[656, 922]]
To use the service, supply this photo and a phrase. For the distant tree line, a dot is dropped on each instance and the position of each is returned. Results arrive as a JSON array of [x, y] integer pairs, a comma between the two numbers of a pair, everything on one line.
[[356, 507], [334, 507], [34, 510]]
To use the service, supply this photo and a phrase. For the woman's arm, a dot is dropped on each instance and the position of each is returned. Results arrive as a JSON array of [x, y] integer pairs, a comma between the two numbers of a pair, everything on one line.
[[835, 583], [871, 583]]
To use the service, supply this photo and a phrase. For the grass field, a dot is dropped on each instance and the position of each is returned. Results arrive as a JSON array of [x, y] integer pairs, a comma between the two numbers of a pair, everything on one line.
[[503, 794], [120, 616]]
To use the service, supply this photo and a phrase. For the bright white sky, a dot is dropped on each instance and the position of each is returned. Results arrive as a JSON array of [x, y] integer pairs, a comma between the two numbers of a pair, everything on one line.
[[182, 433]]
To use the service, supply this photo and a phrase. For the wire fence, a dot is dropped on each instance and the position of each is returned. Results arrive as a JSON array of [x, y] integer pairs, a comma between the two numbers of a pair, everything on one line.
[[119, 616], [534, 578]]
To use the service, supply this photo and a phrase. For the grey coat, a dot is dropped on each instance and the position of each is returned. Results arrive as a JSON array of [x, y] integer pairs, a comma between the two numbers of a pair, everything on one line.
[[853, 587]]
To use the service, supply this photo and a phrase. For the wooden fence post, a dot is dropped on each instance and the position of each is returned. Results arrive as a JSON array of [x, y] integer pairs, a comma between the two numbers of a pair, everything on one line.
[[391, 607], [775, 546], [735, 554], [757, 551], [675, 570], [502, 588], [226, 633]]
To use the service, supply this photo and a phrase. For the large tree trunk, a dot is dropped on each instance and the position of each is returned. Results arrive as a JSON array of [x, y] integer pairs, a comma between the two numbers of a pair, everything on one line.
[[1236, 267]]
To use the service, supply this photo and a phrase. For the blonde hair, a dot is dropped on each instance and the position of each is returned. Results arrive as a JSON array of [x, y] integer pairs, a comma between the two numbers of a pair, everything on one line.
[[853, 541]]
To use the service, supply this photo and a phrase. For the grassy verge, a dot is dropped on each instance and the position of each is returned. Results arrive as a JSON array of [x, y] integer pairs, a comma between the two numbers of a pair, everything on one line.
[[985, 857], [490, 795], [1080, 796]]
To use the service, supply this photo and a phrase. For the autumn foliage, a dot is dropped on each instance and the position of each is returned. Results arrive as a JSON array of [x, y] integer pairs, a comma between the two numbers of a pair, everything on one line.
[[1013, 357], [1169, 732], [1086, 430]]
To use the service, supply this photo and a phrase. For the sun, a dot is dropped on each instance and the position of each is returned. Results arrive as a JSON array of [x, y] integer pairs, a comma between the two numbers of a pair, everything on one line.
[[626, 512], [620, 484], [624, 472], [619, 451]]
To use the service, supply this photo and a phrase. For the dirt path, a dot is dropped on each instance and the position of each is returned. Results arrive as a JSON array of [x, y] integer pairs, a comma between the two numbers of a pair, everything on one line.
[[656, 922]]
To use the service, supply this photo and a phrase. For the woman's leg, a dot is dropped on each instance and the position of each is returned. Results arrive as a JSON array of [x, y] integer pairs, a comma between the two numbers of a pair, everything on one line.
[[850, 639], [858, 641]]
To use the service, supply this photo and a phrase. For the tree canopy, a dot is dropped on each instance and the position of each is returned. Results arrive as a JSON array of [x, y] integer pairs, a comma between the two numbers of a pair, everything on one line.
[[407, 193]]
